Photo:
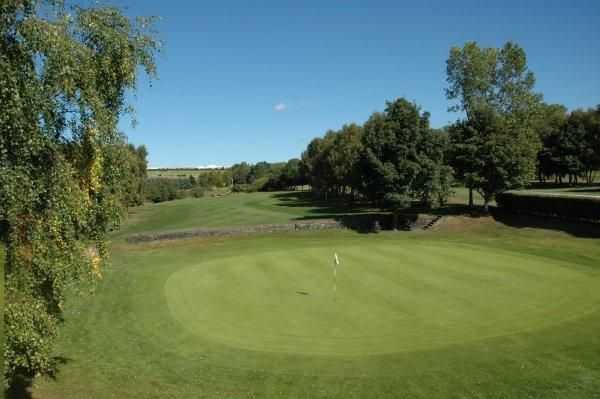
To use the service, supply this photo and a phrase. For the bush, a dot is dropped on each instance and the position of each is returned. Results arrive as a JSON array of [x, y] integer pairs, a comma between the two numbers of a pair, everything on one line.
[[580, 208], [160, 189], [198, 192], [258, 185]]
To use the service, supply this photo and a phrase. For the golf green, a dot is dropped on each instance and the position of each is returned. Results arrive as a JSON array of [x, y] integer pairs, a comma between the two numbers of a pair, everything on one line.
[[390, 297]]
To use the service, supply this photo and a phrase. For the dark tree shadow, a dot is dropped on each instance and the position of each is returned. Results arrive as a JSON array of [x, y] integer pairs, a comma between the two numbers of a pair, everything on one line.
[[592, 190], [320, 207], [21, 385], [552, 185], [19, 389], [364, 217], [579, 229]]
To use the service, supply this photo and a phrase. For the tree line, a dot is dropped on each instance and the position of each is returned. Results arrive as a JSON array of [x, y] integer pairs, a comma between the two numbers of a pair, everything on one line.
[[570, 144], [505, 138], [241, 177], [160, 189]]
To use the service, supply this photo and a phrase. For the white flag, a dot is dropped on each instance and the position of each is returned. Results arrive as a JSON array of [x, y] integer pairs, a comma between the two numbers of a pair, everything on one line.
[[335, 259]]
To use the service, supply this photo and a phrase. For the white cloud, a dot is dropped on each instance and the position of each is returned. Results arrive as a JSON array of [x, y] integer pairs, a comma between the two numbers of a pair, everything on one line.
[[279, 107]]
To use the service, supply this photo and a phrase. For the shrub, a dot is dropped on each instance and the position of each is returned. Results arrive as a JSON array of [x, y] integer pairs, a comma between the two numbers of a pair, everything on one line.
[[198, 192]]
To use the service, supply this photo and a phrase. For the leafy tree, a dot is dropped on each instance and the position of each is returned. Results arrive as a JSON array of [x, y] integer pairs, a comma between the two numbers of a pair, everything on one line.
[[401, 155], [495, 87], [63, 79], [342, 158], [240, 173], [550, 125], [312, 165], [583, 137], [433, 183], [258, 171], [133, 172], [500, 159], [288, 177]]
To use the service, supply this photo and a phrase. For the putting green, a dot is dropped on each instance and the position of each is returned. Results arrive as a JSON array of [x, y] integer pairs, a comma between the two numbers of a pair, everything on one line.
[[390, 297]]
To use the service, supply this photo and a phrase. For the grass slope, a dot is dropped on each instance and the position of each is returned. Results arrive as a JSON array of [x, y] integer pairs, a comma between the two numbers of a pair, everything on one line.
[[242, 209], [231, 210], [487, 312]]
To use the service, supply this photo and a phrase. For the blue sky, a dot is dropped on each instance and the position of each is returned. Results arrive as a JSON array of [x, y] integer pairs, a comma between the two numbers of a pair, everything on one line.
[[257, 80]]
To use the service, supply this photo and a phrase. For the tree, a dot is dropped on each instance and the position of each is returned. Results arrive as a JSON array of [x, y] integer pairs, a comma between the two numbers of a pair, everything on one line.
[[401, 155], [311, 165], [582, 132], [240, 173], [495, 87], [494, 158], [550, 126], [63, 80], [342, 158]]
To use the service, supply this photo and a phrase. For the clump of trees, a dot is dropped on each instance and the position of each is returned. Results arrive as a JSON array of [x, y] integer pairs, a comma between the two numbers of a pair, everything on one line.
[[494, 148], [66, 173], [505, 136], [134, 163], [395, 158], [160, 189], [289, 177], [264, 176], [570, 144]]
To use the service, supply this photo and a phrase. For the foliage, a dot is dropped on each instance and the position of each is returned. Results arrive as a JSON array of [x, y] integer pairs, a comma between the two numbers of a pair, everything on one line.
[[329, 164], [495, 147], [402, 155], [550, 127], [395, 152], [63, 79], [263, 176], [570, 144], [133, 161], [290, 177], [160, 189]]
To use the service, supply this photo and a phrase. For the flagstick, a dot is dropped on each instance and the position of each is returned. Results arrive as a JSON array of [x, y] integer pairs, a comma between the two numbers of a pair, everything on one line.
[[334, 281], [336, 261]]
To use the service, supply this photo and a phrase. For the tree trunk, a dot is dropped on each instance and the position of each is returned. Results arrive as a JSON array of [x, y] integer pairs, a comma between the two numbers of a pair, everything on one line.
[[395, 221], [486, 205], [471, 197]]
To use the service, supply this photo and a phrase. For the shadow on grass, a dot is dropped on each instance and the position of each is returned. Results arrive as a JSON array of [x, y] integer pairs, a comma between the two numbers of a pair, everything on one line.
[[21, 385], [585, 190], [553, 185], [334, 206], [575, 228], [364, 218]]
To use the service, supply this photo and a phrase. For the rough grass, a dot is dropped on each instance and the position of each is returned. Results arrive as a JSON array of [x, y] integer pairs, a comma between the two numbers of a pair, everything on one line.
[[489, 311]]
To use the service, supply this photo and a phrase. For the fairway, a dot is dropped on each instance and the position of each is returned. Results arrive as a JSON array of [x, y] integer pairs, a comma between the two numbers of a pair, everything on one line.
[[390, 298], [230, 210]]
